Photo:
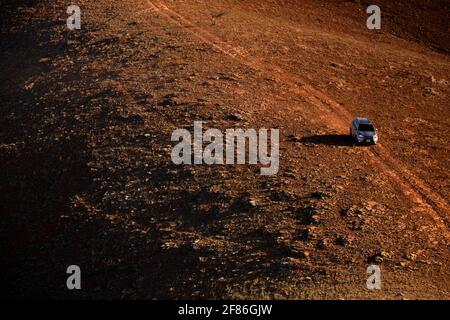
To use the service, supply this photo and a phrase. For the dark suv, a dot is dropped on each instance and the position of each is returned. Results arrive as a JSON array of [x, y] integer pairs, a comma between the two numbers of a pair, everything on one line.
[[363, 131]]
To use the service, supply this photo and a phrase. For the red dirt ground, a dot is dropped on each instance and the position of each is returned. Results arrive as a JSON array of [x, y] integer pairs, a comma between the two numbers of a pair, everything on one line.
[[85, 149]]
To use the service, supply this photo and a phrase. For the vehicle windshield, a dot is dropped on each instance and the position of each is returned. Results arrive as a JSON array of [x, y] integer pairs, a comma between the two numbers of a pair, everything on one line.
[[366, 127]]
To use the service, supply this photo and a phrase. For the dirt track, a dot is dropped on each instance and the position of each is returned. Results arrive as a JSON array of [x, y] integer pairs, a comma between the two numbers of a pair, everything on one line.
[[139, 69], [331, 112]]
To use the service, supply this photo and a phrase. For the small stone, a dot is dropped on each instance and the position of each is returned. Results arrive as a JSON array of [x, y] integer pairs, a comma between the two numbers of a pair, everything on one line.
[[430, 91], [228, 78], [304, 254], [168, 103], [29, 86], [294, 138], [135, 118], [281, 195], [289, 175], [322, 244], [410, 256], [378, 257], [288, 263], [306, 279], [320, 195], [234, 117], [342, 241]]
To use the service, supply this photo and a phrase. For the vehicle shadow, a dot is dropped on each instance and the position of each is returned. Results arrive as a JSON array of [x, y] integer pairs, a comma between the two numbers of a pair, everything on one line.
[[329, 139]]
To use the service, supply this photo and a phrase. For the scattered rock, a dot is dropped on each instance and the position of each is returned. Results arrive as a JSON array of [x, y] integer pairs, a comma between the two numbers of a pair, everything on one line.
[[202, 246], [289, 175], [281, 195], [410, 256], [351, 211], [228, 78], [288, 249], [29, 86], [308, 215], [308, 233], [378, 257], [134, 118], [142, 97], [289, 263], [430, 91], [320, 195], [169, 102], [306, 279], [246, 203], [342, 241], [294, 138], [252, 203], [337, 65], [322, 244], [304, 254], [234, 117], [357, 225]]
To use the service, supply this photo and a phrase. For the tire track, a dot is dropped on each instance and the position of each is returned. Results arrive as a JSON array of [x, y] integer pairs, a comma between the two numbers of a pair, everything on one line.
[[412, 186]]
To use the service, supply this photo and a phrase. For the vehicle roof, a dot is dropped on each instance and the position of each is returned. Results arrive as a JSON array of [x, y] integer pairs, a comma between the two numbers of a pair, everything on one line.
[[362, 120]]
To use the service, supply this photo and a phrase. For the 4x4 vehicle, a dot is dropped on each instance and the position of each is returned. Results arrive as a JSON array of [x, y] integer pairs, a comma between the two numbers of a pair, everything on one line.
[[363, 131]]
